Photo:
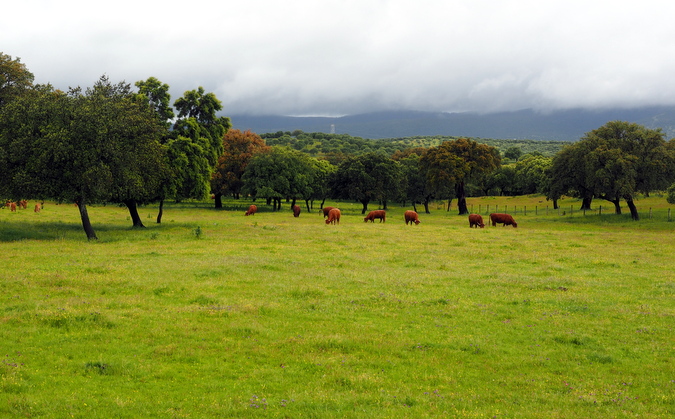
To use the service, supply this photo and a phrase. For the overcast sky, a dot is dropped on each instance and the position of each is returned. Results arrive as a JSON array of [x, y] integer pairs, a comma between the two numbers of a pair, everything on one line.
[[336, 57]]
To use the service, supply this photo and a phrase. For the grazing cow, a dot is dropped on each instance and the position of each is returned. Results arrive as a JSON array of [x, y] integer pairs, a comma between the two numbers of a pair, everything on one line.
[[476, 220], [325, 211], [505, 219], [251, 210], [372, 215], [333, 216], [411, 217], [38, 207], [23, 204], [296, 211]]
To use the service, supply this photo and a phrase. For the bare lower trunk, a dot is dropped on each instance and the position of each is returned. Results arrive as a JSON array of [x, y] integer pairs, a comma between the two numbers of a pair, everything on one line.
[[86, 224], [461, 198], [160, 212], [633, 209], [617, 206], [133, 212], [365, 206], [218, 200], [586, 203]]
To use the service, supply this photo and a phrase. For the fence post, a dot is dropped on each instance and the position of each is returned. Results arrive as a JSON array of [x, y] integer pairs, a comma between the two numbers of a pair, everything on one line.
[[600, 211], [668, 214], [535, 210], [571, 209], [650, 213], [524, 209]]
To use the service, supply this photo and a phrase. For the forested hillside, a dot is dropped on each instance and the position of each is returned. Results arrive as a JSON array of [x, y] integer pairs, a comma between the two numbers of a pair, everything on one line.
[[320, 144]]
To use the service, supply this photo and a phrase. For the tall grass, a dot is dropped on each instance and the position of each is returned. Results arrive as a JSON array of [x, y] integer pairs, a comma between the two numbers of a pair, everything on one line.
[[564, 316]]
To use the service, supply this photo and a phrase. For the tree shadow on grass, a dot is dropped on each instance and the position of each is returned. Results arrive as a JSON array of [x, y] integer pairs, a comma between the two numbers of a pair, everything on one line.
[[22, 230]]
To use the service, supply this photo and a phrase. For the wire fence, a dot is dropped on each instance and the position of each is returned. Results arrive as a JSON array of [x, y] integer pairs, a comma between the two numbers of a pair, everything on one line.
[[560, 211]]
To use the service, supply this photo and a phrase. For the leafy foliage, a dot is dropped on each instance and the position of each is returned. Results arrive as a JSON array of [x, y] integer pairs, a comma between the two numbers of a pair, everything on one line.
[[15, 79], [238, 149]]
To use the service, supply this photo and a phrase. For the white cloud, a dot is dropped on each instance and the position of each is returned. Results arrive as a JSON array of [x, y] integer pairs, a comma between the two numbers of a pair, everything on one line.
[[338, 57]]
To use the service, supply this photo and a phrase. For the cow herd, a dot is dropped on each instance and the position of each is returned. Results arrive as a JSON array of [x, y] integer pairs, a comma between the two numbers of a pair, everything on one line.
[[333, 217], [22, 204]]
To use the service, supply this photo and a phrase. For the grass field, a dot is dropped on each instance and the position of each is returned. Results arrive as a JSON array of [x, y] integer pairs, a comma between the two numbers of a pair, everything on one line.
[[213, 314]]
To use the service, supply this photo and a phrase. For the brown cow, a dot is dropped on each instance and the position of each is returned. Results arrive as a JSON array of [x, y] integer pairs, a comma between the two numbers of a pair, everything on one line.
[[333, 216], [411, 217], [12, 206], [296, 211], [326, 210], [251, 210], [476, 220], [372, 215], [505, 219], [38, 207], [23, 204]]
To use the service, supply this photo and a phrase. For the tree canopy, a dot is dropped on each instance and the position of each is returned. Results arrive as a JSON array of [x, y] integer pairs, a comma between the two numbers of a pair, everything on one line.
[[15, 79], [96, 145], [368, 177], [454, 163], [281, 173], [238, 149], [614, 162]]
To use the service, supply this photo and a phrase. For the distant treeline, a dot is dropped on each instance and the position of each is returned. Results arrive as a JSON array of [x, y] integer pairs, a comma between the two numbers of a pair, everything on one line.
[[320, 144]]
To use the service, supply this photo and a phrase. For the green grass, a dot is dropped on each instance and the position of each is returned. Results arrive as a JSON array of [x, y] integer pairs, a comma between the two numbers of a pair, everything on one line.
[[213, 314]]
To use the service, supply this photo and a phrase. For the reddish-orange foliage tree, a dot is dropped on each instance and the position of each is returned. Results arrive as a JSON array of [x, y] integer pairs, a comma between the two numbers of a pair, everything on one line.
[[238, 148]]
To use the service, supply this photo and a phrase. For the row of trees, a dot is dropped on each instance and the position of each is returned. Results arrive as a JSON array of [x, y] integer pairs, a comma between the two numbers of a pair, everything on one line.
[[106, 143], [614, 162], [416, 175], [109, 143]]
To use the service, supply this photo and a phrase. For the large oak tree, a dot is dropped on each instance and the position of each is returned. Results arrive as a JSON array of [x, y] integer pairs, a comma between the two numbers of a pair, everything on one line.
[[368, 177], [454, 163], [96, 145]]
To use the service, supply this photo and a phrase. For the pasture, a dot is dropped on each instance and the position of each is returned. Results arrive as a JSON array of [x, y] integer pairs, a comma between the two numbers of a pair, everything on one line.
[[214, 314]]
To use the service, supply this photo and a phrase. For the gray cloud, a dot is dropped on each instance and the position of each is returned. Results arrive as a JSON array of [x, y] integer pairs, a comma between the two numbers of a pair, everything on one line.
[[343, 57]]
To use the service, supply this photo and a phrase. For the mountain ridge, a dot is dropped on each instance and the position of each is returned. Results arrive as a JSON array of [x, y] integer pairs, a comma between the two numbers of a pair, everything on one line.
[[564, 125]]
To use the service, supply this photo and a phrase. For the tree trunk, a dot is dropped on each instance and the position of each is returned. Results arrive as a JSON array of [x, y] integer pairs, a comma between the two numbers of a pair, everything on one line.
[[365, 205], [617, 206], [218, 200], [133, 211], [586, 203], [384, 205], [307, 203], [414, 206], [461, 198], [555, 204], [426, 204], [160, 212], [633, 209], [84, 216]]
